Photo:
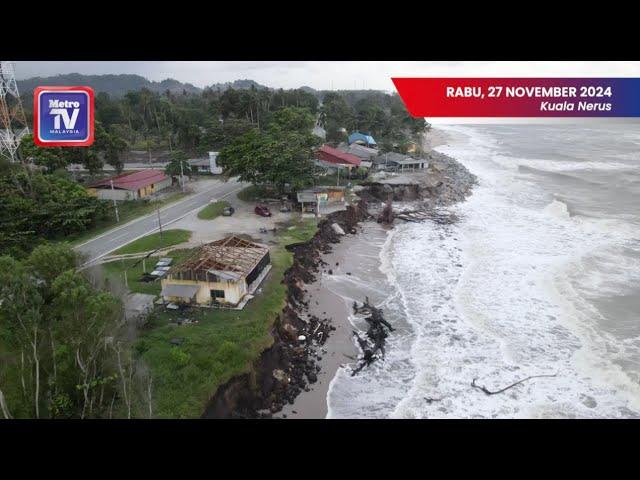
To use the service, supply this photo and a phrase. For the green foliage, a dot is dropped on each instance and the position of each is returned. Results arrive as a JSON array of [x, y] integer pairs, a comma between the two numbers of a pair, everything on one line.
[[56, 333], [277, 157], [381, 115], [223, 343], [178, 165], [155, 241], [213, 210], [49, 260], [35, 206]]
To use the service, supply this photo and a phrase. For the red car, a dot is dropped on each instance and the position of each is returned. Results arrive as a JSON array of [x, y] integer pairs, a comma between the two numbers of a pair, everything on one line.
[[262, 210]]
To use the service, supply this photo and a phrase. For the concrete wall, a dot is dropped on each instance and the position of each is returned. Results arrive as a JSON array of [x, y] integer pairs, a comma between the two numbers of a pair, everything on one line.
[[233, 291], [108, 194]]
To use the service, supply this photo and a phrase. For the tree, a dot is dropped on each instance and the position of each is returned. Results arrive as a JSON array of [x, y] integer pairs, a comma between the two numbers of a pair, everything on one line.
[[52, 158], [276, 158], [21, 313], [292, 119], [49, 260], [178, 165]]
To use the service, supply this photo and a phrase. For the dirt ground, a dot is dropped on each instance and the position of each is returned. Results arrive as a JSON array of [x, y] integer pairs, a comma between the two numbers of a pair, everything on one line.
[[243, 221]]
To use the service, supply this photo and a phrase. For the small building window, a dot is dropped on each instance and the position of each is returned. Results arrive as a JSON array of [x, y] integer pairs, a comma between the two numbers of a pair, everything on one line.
[[215, 294]]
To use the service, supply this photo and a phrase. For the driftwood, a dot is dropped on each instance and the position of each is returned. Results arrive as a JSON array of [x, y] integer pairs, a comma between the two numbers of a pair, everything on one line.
[[489, 392], [376, 334], [441, 218]]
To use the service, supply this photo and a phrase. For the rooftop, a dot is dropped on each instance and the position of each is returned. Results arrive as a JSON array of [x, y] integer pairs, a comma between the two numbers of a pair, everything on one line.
[[361, 137], [132, 180], [326, 151], [230, 258]]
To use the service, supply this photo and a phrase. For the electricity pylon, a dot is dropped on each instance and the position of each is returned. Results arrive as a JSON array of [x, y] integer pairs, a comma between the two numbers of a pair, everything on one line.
[[13, 122]]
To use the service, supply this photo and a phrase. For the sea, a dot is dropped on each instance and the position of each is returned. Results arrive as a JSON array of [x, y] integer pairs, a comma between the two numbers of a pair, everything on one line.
[[537, 283]]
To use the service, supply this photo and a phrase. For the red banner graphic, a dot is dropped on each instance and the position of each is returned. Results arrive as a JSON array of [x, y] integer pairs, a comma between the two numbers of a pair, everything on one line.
[[519, 97]]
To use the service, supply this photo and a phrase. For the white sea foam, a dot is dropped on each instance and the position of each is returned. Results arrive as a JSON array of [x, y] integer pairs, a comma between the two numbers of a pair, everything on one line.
[[500, 296]]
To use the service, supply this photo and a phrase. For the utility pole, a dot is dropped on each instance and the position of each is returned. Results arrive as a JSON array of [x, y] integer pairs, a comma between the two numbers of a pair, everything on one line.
[[126, 279], [182, 174], [115, 204], [159, 223]]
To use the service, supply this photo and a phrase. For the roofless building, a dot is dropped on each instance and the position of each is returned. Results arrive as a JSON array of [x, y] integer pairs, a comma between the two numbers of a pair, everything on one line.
[[222, 273]]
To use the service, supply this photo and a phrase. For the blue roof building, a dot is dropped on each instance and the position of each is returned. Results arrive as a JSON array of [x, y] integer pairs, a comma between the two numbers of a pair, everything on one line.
[[363, 139]]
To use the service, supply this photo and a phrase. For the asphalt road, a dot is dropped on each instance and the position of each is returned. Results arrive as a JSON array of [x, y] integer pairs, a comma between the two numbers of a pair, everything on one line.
[[105, 243]]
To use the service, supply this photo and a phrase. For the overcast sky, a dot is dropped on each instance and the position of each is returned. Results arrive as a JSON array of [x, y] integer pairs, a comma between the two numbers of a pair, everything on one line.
[[328, 75]]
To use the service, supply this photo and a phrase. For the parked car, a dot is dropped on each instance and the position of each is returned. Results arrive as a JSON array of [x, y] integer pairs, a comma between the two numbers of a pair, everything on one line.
[[262, 210], [228, 211]]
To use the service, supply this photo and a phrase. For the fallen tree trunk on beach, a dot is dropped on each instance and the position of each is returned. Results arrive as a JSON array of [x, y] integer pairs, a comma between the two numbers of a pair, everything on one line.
[[377, 333], [489, 392]]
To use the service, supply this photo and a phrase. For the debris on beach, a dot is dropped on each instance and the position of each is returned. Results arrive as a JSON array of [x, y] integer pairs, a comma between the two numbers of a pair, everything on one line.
[[377, 333], [420, 215]]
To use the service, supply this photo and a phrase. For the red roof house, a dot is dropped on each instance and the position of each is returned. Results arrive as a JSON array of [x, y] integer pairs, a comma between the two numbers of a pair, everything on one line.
[[131, 185], [333, 155]]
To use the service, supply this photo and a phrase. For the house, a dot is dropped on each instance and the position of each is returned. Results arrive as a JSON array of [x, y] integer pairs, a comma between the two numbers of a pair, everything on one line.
[[130, 185], [330, 155], [206, 165], [221, 273], [365, 154], [321, 200], [362, 139], [398, 162]]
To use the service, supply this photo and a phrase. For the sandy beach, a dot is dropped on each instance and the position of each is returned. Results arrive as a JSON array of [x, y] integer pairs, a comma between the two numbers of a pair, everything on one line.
[[332, 296]]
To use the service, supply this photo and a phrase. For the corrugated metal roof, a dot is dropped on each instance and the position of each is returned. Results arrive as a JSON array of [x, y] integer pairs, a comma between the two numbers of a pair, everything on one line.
[[132, 180], [333, 155]]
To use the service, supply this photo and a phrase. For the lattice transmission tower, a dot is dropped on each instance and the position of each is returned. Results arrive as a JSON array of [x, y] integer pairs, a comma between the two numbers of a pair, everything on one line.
[[13, 122]]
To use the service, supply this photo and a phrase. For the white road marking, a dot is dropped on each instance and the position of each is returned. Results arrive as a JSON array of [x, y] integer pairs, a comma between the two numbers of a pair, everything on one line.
[[149, 215], [94, 260]]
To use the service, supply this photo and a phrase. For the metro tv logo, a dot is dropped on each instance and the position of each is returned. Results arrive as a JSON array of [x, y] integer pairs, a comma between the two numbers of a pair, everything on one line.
[[63, 116]]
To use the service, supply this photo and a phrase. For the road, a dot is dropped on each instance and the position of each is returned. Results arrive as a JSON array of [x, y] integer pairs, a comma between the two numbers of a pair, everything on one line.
[[105, 243]]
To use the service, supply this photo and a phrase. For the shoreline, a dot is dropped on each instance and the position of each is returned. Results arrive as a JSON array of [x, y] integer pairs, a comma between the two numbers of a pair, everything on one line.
[[292, 378], [345, 262], [340, 350]]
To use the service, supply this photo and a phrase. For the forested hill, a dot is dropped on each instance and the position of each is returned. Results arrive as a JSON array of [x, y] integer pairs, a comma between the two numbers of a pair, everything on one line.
[[119, 85], [115, 85]]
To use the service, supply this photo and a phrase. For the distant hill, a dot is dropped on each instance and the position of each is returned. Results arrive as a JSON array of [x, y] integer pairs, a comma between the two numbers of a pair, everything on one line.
[[238, 85], [115, 85]]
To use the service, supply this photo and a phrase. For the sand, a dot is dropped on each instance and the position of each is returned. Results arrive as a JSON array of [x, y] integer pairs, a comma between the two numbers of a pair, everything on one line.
[[354, 254], [356, 257]]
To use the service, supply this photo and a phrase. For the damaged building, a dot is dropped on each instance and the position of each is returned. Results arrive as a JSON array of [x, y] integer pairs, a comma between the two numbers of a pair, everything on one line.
[[223, 273]]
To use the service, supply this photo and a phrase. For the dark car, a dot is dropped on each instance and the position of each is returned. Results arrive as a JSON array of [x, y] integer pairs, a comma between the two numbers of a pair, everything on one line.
[[262, 210], [228, 211]]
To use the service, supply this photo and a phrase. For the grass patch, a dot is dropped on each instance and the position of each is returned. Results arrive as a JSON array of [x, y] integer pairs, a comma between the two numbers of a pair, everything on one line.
[[223, 344], [213, 210], [115, 271], [128, 211], [154, 241]]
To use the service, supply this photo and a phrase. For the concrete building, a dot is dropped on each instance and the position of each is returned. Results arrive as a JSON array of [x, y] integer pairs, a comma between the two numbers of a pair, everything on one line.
[[206, 165], [394, 161], [222, 273], [322, 200], [130, 185]]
